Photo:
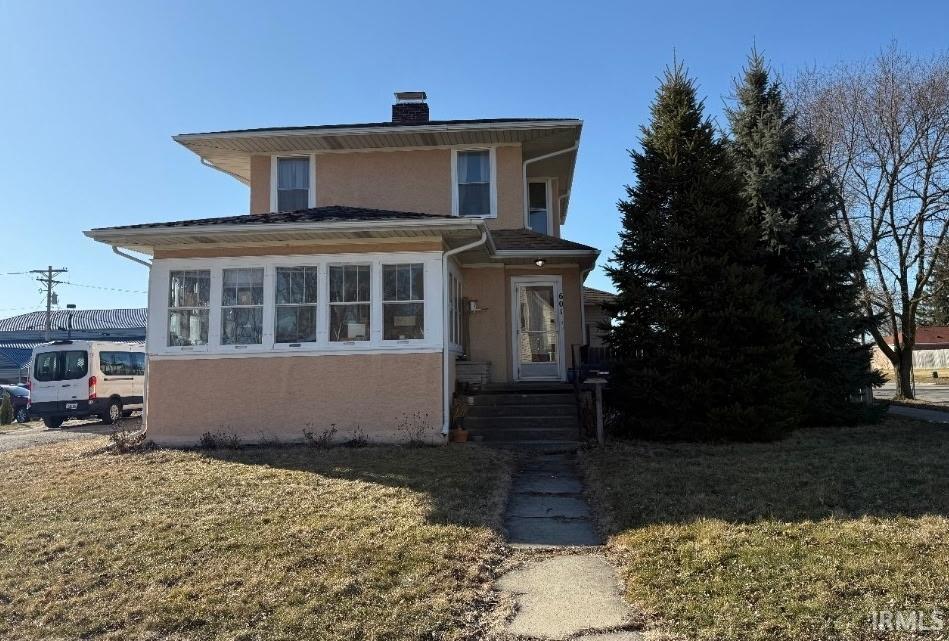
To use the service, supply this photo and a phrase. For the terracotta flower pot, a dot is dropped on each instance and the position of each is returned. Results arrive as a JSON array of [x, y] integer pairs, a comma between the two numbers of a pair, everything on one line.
[[459, 435]]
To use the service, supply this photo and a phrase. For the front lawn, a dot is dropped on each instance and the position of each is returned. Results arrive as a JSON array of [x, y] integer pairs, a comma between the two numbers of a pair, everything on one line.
[[799, 540], [282, 543]]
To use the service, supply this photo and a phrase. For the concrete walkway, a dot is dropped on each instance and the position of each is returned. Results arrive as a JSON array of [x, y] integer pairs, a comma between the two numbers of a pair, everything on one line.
[[546, 508], [575, 594]]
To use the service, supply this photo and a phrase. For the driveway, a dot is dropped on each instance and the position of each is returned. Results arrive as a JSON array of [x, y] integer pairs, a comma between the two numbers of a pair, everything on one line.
[[35, 433]]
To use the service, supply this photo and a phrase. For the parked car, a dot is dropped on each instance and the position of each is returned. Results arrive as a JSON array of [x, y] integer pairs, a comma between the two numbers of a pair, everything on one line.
[[20, 399], [79, 379]]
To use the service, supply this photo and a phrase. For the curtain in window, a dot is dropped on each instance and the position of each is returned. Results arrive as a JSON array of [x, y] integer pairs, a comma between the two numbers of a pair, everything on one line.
[[293, 184], [293, 173], [473, 167]]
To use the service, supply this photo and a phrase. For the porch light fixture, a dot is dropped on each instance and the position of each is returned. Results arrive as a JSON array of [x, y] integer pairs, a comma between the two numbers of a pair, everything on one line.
[[540, 262]]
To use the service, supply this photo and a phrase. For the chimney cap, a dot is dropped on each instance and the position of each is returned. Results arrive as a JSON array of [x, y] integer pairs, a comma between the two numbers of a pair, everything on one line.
[[410, 96]]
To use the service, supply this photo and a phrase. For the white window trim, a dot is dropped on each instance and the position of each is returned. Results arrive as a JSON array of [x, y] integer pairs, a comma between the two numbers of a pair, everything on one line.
[[295, 345], [527, 203], [493, 169], [453, 270], [432, 322], [383, 302], [373, 316], [164, 287], [311, 195]]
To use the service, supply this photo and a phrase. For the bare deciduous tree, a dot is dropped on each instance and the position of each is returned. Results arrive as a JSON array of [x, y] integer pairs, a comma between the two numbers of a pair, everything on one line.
[[884, 129]]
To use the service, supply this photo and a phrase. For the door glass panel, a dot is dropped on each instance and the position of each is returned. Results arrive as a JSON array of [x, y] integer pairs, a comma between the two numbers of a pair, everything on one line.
[[538, 336]]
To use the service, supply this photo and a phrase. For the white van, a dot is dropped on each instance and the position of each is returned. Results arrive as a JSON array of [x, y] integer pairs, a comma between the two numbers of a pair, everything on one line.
[[78, 379]]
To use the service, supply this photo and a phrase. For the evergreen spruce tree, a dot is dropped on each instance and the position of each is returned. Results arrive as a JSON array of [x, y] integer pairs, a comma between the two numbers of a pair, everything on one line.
[[934, 310], [793, 204], [702, 350]]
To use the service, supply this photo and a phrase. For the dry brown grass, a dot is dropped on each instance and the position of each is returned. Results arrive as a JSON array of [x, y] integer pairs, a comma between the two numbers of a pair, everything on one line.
[[795, 540], [291, 543]]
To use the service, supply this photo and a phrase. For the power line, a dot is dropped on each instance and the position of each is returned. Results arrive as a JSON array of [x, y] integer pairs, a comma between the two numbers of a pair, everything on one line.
[[111, 289]]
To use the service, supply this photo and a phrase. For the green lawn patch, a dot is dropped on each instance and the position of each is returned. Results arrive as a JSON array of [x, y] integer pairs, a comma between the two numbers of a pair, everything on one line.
[[799, 539], [280, 543]]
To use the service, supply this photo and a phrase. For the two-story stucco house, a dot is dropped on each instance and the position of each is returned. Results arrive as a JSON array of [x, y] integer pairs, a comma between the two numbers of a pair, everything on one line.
[[373, 257]]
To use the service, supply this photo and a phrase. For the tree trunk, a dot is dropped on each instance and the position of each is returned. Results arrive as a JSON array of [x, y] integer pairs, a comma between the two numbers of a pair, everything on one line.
[[903, 368]]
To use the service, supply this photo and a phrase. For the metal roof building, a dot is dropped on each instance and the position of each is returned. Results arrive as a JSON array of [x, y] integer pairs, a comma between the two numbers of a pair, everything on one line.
[[19, 334]]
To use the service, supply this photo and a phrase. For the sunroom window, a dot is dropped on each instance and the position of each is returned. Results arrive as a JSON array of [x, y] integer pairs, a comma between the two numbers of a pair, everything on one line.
[[242, 306], [293, 183], [403, 302], [295, 295], [349, 302], [189, 295], [473, 170]]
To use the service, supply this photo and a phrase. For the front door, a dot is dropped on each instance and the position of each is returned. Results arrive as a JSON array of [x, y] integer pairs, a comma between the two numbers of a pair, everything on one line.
[[538, 328]]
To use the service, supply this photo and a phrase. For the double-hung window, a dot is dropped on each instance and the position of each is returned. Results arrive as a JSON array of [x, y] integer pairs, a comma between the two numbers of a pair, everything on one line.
[[538, 207], [295, 297], [189, 296], [473, 187], [242, 306], [349, 302], [403, 302], [293, 183]]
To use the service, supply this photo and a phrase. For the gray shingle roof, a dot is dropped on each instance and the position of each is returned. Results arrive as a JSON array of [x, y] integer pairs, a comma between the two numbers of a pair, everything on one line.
[[334, 213], [529, 240], [386, 124], [593, 296]]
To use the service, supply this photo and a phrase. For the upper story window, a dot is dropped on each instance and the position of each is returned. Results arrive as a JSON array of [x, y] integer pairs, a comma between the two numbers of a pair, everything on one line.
[[538, 210], [473, 189], [189, 296], [293, 183]]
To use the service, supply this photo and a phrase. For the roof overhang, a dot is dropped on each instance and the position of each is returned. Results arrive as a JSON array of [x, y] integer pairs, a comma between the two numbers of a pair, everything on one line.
[[231, 151], [452, 231]]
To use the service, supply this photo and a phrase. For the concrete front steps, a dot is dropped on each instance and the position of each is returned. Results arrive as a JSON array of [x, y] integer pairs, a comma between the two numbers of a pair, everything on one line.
[[540, 416]]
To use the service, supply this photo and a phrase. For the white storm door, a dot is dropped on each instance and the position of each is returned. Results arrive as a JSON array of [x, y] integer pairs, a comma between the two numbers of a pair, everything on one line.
[[538, 329]]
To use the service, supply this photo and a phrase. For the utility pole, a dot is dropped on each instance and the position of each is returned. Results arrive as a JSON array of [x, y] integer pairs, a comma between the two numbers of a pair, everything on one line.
[[47, 280]]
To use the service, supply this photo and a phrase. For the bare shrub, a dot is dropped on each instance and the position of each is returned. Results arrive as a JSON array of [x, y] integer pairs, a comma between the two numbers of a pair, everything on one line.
[[322, 440]]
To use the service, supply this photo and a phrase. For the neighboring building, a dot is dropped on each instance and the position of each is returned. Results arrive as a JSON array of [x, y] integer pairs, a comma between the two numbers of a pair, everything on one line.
[[595, 315], [19, 334], [931, 351], [596, 353], [374, 256]]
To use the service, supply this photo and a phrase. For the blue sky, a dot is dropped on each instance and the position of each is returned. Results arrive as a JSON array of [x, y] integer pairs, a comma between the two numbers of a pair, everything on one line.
[[93, 91]]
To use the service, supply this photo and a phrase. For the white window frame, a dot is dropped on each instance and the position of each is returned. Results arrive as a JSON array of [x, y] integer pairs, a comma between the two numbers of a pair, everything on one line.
[[424, 301], [311, 194], [374, 322], [527, 203], [454, 299], [164, 289], [434, 300], [493, 172], [320, 292], [263, 310]]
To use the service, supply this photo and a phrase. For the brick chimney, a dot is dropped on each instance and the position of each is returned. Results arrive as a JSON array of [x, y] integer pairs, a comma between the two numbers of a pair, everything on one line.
[[410, 107]]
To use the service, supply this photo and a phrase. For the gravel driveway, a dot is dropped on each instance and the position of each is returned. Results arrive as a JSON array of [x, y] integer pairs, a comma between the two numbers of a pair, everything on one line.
[[35, 433]]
